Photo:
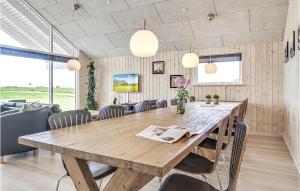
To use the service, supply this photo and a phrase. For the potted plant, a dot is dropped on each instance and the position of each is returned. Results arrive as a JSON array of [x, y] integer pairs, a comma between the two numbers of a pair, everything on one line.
[[208, 99], [181, 93], [91, 103], [216, 99]]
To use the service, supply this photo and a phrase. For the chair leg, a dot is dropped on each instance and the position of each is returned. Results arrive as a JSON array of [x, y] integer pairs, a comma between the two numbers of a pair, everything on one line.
[[100, 183], [1, 159], [205, 178], [225, 166], [35, 152], [221, 188], [160, 179], [58, 182]]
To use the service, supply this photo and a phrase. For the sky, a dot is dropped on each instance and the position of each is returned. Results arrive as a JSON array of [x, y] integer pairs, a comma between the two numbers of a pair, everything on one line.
[[25, 72]]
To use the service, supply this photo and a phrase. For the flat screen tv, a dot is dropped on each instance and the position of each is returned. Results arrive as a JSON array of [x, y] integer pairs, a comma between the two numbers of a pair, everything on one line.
[[126, 82]]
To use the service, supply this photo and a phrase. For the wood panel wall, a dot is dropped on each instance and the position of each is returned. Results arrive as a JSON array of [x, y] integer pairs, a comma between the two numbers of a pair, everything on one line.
[[292, 86], [262, 73]]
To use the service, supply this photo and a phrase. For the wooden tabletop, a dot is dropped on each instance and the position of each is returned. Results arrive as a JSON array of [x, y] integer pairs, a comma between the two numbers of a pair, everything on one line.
[[114, 141]]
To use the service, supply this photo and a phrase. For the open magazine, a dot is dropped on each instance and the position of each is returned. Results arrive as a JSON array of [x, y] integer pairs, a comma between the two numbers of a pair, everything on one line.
[[169, 134], [195, 125]]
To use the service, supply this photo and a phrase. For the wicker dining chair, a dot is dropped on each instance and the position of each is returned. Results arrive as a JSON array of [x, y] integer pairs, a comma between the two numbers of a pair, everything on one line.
[[111, 111], [197, 164], [181, 182], [211, 143], [142, 107], [72, 118], [161, 103], [174, 101], [192, 98]]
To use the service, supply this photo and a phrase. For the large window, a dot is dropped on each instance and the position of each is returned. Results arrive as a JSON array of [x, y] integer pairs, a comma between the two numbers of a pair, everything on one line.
[[228, 70], [29, 67], [63, 86]]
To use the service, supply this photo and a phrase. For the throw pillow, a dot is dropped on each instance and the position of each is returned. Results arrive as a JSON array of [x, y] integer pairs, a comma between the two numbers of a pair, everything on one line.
[[30, 107]]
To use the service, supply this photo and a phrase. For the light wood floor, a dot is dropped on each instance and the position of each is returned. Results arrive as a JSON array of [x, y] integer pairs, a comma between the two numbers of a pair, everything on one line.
[[267, 166]]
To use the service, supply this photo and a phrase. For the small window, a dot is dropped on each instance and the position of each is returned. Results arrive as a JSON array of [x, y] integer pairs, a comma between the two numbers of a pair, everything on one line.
[[229, 70]]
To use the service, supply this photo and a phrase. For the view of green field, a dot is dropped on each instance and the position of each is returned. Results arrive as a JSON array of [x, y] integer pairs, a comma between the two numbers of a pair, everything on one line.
[[65, 97], [126, 88]]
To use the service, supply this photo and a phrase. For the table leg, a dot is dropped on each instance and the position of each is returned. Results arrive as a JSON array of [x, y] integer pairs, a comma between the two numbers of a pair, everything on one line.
[[80, 173], [127, 180]]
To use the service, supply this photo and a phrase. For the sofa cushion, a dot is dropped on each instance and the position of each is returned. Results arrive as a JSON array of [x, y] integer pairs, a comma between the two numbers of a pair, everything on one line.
[[31, 107], [10, 104]]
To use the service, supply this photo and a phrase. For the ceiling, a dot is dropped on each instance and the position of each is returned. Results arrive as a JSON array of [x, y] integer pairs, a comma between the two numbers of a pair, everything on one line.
[[103, 28]]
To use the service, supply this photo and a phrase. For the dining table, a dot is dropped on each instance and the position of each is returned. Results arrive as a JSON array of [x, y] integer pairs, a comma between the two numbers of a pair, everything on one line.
[[114, 142]]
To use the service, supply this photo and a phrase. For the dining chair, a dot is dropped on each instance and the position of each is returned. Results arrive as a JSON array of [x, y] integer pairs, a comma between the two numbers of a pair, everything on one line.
[[142, 107], [181, 182], [111, 111], [174, 101], [77, 117], [242, 111], [192, 98], [197, 164], [161, 103], [211, 143]]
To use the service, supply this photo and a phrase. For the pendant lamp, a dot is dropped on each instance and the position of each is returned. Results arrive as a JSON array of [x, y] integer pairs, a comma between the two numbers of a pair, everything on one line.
[[74, 64], [144, 43]]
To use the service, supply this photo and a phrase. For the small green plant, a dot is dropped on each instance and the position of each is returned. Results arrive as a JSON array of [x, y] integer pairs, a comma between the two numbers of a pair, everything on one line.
[[208, 96], [90, 101], [216, 96]]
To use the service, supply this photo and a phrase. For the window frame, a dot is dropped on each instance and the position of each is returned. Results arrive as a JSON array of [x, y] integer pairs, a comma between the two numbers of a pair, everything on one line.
[[240, 83]]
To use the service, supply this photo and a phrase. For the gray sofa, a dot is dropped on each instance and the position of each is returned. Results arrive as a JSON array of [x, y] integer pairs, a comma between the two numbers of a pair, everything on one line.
[[16, 124]]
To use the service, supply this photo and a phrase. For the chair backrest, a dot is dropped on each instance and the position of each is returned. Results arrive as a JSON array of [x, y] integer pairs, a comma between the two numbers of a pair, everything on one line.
[[243, 110], [69, 118], [161, 103], [111, 111], [230, 124], [220, 139], [238, 147], [192, 98], [142, 107], [174, 101]]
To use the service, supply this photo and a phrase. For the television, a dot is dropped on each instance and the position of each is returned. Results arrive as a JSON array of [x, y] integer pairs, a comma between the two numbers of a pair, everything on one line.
[[125, 82]]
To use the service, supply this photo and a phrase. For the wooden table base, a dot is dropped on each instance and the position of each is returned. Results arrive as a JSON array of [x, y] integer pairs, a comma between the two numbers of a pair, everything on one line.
[[127, 180], [80, 174], [122, 180]]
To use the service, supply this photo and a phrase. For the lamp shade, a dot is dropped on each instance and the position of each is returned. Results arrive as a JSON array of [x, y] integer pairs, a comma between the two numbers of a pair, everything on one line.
[[73, 64], [210, 68], [143, 43], [190, 60]]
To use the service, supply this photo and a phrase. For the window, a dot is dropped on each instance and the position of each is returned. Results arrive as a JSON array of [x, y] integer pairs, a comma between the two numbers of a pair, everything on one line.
[[63, 86], [23, 78], [33, 58], [229, 70]]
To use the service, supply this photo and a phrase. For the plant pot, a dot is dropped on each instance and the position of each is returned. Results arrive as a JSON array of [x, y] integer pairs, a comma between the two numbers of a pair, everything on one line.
[[180, 106], [207, 100], [216, 101]]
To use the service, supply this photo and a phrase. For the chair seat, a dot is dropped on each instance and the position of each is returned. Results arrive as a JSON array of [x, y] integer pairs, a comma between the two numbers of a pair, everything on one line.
[[194, 163], [216, 131], [209, 143], [181, 182], [100, 170]]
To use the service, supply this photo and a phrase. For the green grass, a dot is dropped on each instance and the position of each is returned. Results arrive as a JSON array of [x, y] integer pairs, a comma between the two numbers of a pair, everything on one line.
[[130, 88], [65, 97]]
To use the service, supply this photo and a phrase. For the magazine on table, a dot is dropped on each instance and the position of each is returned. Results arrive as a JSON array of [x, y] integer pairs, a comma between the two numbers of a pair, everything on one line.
[[205, 120], [168, 134]]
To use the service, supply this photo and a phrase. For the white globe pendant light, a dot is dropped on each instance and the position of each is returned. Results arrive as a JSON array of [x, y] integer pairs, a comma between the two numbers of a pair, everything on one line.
[[73, 65], [144, 43], [190, 60], [210, 68]]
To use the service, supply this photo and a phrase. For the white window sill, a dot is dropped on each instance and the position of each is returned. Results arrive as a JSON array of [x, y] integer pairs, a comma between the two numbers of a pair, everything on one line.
[[218, 84]]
